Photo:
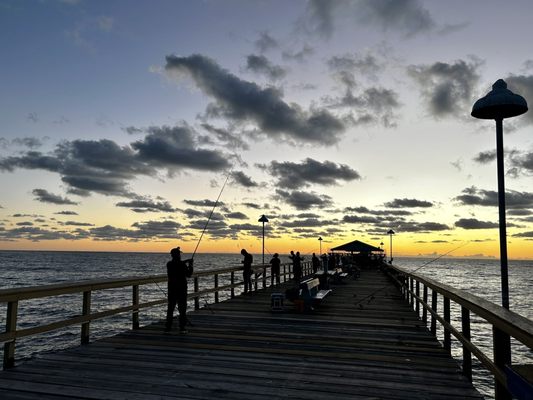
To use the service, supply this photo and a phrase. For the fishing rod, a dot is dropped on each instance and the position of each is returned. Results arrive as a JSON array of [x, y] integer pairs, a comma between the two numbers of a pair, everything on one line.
[[371, 295], [210, 215]]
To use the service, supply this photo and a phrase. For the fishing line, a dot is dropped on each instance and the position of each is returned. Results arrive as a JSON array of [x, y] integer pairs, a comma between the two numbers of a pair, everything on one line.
[[210, 215]]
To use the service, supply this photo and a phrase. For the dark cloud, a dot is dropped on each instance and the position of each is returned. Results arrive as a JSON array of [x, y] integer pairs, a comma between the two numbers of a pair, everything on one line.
[[227, 138], [309, 171], [304, 200], [255, 206], [408, 17], [171, 147], [472, 223], [320, 16], [412, 226], [266, 42], [263, 66], [24, 223], [365, 210], [448, 88], [30, 142], [485, 157], [66, 212], [142, 205], [299, 56], [45, 196], [356, 219], [203, 203], [522, 85], [75, 223], [307, 223], [346, 66], [244, 101], [521, 162], [526, 235], [408, 203], [236, 215], [479, 197], [240, 178]]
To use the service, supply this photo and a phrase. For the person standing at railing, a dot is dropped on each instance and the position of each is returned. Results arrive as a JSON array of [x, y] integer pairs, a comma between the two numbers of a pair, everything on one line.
[[296, 266], [178, 271], [247, 271], [275, 263], [315, 262]]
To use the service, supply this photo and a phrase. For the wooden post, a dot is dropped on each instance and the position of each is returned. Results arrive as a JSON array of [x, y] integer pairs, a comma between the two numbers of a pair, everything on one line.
[[86, 310], [196, 290], [135, 313], [232, 281], [216, 287], [284, 273], [502, 357], [424, 310], [255, 282], [434, 308], [467, 355], [447, 333], [264, 276], [11, 326], [412, 287], [417, 288]]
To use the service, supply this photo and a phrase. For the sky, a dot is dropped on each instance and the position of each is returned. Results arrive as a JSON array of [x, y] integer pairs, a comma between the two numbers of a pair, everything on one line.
[[122, 123]]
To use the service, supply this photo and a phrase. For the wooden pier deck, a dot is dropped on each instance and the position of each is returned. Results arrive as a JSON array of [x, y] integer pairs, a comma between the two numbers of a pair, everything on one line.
[[354, 346]]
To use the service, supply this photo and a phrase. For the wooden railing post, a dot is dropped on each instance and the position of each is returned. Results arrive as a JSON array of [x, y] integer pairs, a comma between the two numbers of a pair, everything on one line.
[[135, 312], [264, 277], [196, 290], [447, 333], [412, 287], [467, 355], [434, 308], [86, 310], [11, 326], [284, 273], [255, 281], [417, 288], [502, 357], [216, 288], [424, 309], [232, 281]]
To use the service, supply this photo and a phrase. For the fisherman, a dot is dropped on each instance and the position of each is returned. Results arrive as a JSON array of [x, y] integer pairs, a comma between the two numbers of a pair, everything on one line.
[[178, 271], [247, 271], [275, 262], [315, 262], [296, 266]]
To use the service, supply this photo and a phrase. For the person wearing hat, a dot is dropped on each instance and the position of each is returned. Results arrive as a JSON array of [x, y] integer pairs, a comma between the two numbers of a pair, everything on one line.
[[177, 271], [274, 271]]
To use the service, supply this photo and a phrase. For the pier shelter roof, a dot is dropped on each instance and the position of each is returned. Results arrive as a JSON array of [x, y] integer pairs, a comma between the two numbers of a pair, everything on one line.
[[356, 246]]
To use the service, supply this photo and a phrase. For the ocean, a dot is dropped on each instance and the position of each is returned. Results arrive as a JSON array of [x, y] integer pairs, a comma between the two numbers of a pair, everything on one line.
[[32, 268]]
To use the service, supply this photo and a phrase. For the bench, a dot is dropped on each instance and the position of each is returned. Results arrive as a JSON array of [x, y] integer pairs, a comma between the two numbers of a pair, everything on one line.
[[311, 294]]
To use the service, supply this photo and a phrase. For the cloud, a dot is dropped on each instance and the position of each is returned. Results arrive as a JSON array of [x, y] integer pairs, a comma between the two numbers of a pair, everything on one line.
[[412, 226], [522, 85], [346, 65], [299, 56], [175, 147], [245, 102], [229, 139], [448, 88], [66, 213], [473, 196], [236, 215], [521, 162], [292, 175], [263, 66], [240, 178], [304, 200], [472, 223], [527, 235], [266, 42], [142, 205], [485, 157], [44, 196], [408, 203]]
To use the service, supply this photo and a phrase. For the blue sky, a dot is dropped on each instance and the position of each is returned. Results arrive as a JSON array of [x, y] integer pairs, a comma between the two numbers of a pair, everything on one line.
[[121, 121]]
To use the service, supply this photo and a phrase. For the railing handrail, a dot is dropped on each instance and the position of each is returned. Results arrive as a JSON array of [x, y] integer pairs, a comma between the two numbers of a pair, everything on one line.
[[69, 287], [507, 321]]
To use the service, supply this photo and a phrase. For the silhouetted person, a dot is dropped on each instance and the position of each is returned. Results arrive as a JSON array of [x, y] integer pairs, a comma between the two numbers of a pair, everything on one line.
[[275, 262], [247, 271], [315, 262], [296, 266], [177, 271]]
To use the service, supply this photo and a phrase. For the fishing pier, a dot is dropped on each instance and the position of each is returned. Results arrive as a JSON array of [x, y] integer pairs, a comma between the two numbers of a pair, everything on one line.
[[385, 335]]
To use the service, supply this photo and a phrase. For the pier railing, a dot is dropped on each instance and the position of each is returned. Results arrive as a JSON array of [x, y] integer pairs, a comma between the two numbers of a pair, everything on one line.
[[423, 295], [211, 283]]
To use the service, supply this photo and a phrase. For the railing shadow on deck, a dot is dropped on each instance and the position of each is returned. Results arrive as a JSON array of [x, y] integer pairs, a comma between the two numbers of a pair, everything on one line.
[[211, 283], [509, 380]]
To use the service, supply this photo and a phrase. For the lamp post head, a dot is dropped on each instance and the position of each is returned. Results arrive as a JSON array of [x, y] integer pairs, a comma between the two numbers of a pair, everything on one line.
[[390, 232], [263, 219], [320, 238], [499, 103]]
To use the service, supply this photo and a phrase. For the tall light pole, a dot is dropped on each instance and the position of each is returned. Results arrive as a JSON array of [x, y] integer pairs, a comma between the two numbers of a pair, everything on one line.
[[498, 104], [390, 233], [263, 219], [320, 241]]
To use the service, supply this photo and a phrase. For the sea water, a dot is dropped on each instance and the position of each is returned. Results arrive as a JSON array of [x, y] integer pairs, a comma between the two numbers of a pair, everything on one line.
[[33, 268]]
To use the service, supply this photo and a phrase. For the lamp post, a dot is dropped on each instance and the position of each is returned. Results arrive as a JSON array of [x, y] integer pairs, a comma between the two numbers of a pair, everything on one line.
[[390, 233], [498, 104], [320, 241], [263, 219]]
